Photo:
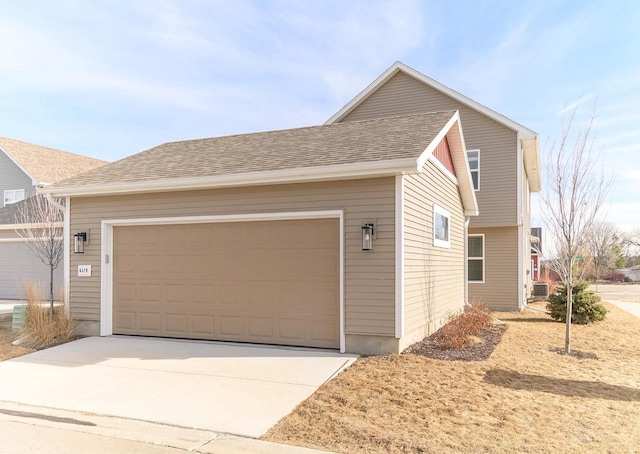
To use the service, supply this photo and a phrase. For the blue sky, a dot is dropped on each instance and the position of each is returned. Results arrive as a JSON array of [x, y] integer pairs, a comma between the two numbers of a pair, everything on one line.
[[112, 78]]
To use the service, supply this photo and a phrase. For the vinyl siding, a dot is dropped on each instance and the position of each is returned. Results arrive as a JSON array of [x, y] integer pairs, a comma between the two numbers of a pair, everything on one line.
[[500, 287], [433, 276], [369, 276], [19, 264], [497, 198], [12, 177]]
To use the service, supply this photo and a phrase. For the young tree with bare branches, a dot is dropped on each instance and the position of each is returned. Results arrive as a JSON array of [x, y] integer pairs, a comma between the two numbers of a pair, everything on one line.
[[42, 230], [575, 191]]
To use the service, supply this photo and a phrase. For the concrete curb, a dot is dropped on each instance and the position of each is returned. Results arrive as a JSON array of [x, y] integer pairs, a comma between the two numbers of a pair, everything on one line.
[[191, 440]]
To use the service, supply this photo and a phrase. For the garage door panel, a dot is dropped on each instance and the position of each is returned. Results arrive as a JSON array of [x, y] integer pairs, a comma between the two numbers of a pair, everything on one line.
[[270, 282], [291, 330], [260, 328], [176, 293], [230, 327], [203, 326], [176, 324], [125, 321], [322, 331], [149, 322]]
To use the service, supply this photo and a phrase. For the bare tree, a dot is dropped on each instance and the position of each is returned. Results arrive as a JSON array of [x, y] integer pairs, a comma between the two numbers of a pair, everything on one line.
[[603, 242], [573, 197], [42, 230]]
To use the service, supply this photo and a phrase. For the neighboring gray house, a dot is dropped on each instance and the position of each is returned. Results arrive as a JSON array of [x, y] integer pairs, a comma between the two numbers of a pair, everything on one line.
[[23, 167]]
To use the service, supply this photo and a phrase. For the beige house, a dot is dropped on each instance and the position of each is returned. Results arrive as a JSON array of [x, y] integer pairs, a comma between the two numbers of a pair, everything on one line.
[[505, 166], [348, 236]]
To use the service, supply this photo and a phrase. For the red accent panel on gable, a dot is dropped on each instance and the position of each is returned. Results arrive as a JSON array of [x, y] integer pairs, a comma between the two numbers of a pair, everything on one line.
[[443, 154]]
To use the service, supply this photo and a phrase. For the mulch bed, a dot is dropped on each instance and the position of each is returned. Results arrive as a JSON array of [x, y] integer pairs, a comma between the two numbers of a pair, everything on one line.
[[481, 351]]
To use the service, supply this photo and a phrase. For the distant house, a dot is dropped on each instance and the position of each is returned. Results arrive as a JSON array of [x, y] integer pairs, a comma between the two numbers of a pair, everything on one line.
[[536, 252], [23, 168], [632, 273]]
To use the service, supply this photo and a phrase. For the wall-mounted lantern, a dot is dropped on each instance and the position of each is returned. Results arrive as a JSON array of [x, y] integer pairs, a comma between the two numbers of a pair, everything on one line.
[[367, 237], [78, 242]]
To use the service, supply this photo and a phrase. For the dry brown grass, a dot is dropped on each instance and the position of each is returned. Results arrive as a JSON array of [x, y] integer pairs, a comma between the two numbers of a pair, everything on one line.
[[464, 326], [44, 328], [525, 398], [8, 351]]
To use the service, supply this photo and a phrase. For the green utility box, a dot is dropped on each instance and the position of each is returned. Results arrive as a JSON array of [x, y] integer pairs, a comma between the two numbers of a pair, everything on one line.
[[19, 317]]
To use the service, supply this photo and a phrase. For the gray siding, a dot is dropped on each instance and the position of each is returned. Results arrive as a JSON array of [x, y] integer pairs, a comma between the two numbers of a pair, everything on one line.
[[18, 264], [433, 276], [369, 276], [497, 198], [500, 287], [12, 177]]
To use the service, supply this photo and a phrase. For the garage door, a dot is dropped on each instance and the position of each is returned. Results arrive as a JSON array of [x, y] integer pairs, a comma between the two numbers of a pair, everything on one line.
[[273, 282], [17, 264]]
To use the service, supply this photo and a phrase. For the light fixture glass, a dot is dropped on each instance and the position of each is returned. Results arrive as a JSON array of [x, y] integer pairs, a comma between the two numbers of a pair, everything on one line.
[[78, 242], [367, 237]]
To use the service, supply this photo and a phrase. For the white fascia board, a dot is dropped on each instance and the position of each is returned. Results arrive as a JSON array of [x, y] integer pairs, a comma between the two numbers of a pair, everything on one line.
[[27, 226], [34, 181], [397, 67], [453, 132], [437, 139], [531, 152], [296, 175]]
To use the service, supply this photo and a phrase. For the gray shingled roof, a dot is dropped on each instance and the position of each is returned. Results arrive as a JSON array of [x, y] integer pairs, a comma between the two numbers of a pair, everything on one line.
[[48, 165], [8, 214], [343, 143]]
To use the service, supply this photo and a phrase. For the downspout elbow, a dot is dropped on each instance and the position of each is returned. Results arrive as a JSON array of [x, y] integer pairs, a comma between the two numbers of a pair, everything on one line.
[[52, 201]]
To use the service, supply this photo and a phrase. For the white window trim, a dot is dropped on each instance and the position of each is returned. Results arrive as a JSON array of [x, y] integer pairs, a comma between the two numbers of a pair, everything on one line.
[[444, 213], [14, 198], [478, 170], [483, 258]]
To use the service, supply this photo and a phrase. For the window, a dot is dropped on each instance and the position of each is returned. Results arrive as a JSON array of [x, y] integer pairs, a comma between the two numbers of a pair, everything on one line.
[[441, 227], [13, 196], [475, 258], [473, 156]]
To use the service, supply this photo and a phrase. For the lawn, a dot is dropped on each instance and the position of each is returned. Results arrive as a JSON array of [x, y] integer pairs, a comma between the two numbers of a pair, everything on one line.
[[526, 397]]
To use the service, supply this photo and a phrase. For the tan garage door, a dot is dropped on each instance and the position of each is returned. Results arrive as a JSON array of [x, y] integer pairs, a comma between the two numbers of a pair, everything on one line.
[[269, 282]]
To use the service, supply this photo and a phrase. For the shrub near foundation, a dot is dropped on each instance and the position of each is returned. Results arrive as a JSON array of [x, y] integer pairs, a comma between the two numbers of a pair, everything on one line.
[[586, 307], [462, 327]]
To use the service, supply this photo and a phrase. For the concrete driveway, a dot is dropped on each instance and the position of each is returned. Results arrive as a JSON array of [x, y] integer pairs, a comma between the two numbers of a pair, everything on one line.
[[222, 387]]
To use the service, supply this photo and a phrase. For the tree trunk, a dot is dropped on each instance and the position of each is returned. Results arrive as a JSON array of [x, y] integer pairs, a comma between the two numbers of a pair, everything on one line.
[[51, 290], [567, 341]]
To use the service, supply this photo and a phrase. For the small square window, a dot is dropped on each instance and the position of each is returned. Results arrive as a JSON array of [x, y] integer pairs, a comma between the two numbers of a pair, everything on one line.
[[13, 196], [441, 223]]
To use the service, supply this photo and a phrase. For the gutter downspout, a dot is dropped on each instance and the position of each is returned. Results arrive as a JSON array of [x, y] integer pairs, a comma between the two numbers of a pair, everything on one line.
[[51, 200], [65, 233], [467, 219]]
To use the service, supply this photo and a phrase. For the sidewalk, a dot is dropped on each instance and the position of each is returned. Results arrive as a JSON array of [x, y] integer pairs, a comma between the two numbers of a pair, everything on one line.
[[38, 429], [632, 308]]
